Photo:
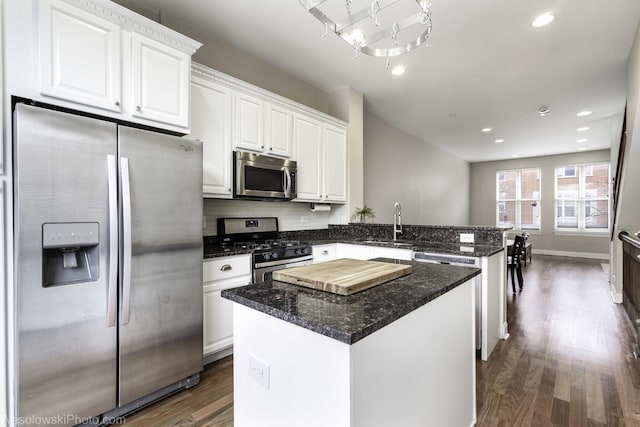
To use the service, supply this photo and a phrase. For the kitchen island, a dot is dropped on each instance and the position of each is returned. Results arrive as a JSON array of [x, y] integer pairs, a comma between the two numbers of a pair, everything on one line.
[[401, 353]]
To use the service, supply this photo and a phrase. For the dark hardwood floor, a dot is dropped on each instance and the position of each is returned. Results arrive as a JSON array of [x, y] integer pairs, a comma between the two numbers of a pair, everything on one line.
[[568, 361]]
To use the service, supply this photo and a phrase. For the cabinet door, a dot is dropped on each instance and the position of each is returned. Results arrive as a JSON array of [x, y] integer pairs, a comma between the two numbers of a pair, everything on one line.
[[211, 123], [217, 322], [249, 127], [278, 130], [308, 142], [335, 164], [79, 56], [161, 77]]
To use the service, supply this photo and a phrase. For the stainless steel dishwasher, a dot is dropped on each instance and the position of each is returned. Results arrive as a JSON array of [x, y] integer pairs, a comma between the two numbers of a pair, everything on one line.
[[465, 261]]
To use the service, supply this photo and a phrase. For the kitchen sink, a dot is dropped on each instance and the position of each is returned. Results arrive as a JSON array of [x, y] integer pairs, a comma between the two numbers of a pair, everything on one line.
[[391, 243]]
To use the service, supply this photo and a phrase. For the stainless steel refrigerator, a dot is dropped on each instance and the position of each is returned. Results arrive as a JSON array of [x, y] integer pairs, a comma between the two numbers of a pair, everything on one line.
[[108, 265]]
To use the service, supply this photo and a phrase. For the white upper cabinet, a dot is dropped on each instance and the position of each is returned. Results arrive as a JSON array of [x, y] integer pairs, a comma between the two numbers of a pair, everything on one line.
[[228, 114], [249, 119], [80, 56], [160, 81], [211, 123], [113, 62], [308, 139], [278, 130], [335, 164], [321, 152]]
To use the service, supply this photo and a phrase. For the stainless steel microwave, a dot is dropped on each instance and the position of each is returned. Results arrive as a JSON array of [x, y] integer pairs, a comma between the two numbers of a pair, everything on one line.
[[263, 177]]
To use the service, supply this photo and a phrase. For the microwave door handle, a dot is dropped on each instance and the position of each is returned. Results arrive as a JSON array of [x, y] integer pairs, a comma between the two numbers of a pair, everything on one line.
[[287, 187]]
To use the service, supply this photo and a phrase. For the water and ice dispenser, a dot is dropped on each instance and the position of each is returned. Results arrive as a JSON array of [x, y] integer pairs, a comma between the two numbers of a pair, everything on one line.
[[70, 253]]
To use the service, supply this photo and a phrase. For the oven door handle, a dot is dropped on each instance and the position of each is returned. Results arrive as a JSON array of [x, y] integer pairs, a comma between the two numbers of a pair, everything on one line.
[[283, 262]]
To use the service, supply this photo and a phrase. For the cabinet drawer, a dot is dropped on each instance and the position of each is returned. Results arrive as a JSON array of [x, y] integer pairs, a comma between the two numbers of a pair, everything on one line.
[[322, 253], [226, 268]]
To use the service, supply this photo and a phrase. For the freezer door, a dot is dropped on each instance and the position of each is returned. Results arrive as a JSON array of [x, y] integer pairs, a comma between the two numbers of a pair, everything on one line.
[[161, 291], [65, 351]]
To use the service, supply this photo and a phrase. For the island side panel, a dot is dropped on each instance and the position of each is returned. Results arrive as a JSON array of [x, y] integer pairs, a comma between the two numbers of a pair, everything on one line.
[[308, 374], [494, 302], [420, 369]]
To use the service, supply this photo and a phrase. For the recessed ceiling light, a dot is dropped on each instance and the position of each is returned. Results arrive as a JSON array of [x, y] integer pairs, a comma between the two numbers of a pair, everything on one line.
[[582, 129], [486, 130], [582, 148], [542, 20], [515, 156], [544, 110], [582, 140], [498, 141], [398, 70], [583, 113]]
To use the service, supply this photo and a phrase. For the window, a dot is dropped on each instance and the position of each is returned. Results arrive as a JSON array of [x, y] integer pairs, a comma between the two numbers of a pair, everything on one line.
[[582, 198], [518, 198], [566, 171]]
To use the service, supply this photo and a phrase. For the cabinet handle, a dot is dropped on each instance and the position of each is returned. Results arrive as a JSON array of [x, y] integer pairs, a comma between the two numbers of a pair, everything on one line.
[[263, 147], [325, 252], [225, 267], [229, 190], [270, 148], [138, 108], [117, 103]]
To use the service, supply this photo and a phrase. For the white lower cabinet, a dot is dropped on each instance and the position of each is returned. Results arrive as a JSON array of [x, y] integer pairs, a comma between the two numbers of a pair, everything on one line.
[[220, 274], [323, 253]]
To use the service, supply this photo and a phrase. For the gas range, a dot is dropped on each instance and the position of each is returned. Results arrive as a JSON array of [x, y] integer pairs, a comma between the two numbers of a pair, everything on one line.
[[270, 249], [260, 236]]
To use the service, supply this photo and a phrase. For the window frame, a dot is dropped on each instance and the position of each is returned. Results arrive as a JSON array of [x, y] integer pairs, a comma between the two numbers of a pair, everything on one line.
[[581, 201], [517, 225]]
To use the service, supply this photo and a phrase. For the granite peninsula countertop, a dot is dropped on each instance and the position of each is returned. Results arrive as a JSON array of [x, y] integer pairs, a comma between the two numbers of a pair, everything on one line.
[[351, 318]]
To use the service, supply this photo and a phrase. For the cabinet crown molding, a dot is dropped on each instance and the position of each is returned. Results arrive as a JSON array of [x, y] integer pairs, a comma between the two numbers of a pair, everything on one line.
[[131, 21], [207, 73]]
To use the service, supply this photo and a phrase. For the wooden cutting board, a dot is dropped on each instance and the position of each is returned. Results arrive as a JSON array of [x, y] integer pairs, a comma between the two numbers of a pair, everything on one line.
[[342, 276]]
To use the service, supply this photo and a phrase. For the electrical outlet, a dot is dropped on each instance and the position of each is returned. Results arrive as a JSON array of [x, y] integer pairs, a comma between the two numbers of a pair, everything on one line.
[[304, 218], [466, 237], [259, 371]]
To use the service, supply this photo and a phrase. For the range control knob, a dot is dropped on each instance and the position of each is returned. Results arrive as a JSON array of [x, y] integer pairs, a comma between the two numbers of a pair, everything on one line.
[[266, 256]]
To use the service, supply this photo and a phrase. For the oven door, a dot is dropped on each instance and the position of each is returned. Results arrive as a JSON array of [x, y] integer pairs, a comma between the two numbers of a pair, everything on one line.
[[264, 273], [260, 176]]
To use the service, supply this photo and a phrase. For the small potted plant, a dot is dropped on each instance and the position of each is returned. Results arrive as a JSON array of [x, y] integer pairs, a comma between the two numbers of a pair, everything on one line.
[[361, 214]]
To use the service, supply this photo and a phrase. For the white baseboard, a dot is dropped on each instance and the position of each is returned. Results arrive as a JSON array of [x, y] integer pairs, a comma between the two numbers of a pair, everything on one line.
[[571, 254], [615, 295], [505, 331]]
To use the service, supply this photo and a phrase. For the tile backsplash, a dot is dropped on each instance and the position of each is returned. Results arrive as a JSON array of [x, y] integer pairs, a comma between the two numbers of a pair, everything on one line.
[[292, 216]]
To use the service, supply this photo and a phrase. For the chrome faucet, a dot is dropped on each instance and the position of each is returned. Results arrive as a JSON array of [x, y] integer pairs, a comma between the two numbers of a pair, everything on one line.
[[397, 220]]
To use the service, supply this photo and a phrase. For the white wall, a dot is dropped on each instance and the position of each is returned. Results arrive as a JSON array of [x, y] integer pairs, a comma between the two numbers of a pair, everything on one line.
[[629, 197], [432, 185], [483, 201]]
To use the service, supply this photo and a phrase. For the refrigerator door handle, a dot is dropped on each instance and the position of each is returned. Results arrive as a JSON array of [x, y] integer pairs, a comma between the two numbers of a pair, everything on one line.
[[126, 238], [112, 294]]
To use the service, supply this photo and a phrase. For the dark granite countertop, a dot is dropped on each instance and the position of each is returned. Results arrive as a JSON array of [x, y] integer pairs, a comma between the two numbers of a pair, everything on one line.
[[417, 246], [351, 318]]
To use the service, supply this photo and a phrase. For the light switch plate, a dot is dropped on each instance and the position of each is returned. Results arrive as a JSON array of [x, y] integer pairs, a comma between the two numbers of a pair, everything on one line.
[[466, 238]]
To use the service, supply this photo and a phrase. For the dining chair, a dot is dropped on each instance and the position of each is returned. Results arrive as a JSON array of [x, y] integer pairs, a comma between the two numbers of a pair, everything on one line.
[[514, 260]]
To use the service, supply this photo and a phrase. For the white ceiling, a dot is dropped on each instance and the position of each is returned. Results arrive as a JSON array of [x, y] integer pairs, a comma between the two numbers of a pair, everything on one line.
[[487, 68]]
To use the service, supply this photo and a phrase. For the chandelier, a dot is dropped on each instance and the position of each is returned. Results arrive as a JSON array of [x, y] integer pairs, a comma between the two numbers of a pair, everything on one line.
[[380, 28]]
